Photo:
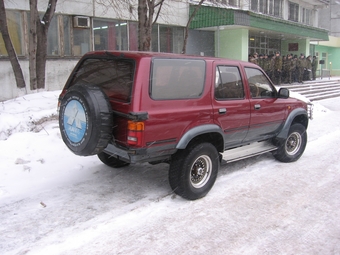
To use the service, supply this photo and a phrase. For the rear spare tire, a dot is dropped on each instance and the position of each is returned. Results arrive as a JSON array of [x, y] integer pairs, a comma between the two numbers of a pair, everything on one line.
[[85, 120]]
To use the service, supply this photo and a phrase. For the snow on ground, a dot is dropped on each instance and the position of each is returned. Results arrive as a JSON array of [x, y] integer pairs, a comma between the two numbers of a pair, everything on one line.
[[53, 202]]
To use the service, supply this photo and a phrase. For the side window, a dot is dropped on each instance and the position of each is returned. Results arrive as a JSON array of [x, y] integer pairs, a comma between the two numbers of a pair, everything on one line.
[[228, 83], [177, 78], [259, 85]]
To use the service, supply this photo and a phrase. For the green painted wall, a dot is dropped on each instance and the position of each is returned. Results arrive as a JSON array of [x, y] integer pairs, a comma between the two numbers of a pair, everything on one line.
[[303, 47], [232, 43], [333, 56]]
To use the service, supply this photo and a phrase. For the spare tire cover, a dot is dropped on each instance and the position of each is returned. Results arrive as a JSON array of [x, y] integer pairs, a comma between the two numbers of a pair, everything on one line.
[[85, 120]]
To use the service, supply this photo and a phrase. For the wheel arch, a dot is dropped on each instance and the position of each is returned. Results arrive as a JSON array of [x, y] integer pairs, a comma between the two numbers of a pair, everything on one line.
[[205, 133], [299, 115]]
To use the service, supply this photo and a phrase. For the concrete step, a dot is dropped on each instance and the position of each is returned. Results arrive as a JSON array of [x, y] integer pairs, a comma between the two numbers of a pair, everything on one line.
[[323, 96], [316, 90]]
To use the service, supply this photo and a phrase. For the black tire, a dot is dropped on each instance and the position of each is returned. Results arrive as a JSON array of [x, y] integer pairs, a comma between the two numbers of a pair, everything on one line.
[[85, 120], [193, 171], [111, 161], [292, 148]]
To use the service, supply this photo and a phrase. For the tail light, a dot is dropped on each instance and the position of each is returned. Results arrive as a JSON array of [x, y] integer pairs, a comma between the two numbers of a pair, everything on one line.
[[135, 133]]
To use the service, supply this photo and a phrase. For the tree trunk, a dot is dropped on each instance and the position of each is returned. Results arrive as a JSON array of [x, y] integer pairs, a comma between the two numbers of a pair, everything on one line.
[[142, 26], [38, 43], [19, 77], [42, 32], [188, 24], [32, 46], [41, 55]]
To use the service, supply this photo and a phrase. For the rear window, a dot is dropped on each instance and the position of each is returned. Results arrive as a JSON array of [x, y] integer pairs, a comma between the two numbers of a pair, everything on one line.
[[113, 76], [177, 78]]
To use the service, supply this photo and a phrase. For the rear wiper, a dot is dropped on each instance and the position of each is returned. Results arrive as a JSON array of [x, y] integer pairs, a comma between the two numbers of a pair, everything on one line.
[[120, 56]]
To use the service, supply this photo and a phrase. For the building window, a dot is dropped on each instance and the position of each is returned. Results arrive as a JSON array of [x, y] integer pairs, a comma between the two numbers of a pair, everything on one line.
[[306, 16], [66, 36], [15, 25], [275, 8], [293, 12], [133, 36], [278, 8], [53, 38], [234, 3], [264, 6], [271, 7], [110, 35], [81, 41], [76, 35], [254, 5], [170, 39], [263, 45], [167, 39]]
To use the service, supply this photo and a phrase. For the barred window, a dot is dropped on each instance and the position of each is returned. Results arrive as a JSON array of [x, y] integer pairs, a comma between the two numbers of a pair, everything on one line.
[[293, 14], [271, 7], [306, 16]]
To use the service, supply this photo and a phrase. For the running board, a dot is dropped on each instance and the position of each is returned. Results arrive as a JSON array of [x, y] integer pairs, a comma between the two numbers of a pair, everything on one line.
[[248, 151]]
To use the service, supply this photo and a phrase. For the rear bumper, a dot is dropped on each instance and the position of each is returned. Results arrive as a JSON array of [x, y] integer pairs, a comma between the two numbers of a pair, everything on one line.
[[141, 155]]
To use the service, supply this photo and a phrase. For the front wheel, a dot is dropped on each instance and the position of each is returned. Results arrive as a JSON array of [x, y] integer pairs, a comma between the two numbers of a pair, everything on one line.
[[292, 148], [193, 171]]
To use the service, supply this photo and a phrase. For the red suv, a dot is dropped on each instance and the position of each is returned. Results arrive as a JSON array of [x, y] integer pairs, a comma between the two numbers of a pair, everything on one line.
[[131, 107]]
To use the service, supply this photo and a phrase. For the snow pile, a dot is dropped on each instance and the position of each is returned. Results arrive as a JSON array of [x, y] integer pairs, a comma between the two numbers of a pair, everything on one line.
[[27, 113]]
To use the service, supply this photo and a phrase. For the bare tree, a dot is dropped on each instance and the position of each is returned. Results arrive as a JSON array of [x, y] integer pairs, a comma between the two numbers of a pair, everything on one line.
[[38, 42], [188, 24], [148, 12], [19, 77]]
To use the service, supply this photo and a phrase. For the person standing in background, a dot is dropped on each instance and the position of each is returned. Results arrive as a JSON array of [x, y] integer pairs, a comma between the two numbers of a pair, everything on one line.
[[314, 67], [301, 66], [277, 68], [289, 68]]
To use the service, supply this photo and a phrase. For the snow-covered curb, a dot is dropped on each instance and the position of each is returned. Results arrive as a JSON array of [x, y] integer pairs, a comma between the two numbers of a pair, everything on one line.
[[38, 108]]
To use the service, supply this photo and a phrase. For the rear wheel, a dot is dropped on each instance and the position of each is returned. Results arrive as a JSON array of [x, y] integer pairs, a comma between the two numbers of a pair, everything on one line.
[[193, 171], [292, 148], [111, 161]]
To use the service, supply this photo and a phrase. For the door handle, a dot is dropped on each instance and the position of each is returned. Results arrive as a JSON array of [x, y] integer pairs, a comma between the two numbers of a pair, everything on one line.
[[257, 106], [222, 110]]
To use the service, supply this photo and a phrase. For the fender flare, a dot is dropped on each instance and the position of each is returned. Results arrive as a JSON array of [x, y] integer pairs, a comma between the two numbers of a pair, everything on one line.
[[192, 133], [285, 129]]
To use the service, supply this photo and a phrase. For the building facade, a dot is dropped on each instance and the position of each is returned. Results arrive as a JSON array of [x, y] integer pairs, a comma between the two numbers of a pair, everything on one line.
[[224, 28]]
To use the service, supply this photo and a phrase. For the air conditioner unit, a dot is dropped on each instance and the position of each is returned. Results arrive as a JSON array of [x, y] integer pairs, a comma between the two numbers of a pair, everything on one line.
[[81, 22]]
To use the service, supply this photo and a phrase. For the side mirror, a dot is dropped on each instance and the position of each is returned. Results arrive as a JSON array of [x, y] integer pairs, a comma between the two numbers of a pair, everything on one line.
[[283, 93]]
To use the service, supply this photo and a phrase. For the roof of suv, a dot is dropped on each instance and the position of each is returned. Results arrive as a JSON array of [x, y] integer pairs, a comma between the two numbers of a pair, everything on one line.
[[143, 54]]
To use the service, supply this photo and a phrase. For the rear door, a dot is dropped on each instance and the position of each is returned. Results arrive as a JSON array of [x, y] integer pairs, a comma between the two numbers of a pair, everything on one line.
[[230, 105], [267, 111]]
